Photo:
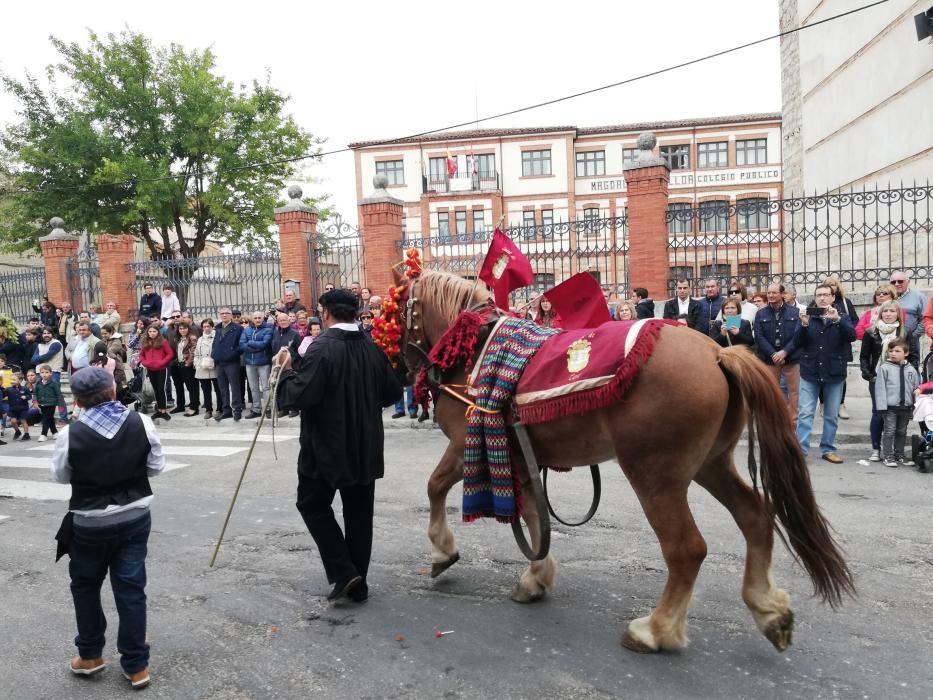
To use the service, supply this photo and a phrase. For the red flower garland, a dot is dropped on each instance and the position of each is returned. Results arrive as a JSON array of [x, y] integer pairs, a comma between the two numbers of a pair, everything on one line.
[[387, 329]]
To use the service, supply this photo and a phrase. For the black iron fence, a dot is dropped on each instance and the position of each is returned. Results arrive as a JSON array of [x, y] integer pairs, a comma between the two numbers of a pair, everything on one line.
[[556, 251], [20, 291], [860, 236], [336, 255], [248, 281], [84, 279]]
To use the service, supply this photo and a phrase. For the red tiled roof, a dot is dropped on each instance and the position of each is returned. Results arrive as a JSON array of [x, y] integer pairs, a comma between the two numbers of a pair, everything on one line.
[[468, 134], [679, 123], [580, 131]]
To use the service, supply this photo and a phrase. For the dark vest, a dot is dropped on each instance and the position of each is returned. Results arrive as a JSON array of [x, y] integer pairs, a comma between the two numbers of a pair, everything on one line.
[[108, 472]]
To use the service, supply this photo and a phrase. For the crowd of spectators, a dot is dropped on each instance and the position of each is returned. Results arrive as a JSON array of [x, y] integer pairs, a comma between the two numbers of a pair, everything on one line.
[[220, 368], [217, 368]]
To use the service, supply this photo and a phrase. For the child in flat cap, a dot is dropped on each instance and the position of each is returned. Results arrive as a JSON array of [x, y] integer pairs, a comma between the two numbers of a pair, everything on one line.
[[107, 456]]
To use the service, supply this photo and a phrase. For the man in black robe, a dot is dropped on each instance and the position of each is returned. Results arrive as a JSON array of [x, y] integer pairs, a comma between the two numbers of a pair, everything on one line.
[[341, 387]]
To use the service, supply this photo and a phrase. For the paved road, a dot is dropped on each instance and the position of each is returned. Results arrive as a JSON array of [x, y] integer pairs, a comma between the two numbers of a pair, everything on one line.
[[258, 626]]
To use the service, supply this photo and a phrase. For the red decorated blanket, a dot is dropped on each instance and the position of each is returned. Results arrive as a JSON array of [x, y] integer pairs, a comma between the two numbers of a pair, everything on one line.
[[583, 370]]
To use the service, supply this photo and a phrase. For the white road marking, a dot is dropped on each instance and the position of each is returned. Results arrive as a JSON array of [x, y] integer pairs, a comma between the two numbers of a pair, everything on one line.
[[36, 490], [4, 517], [46, 463], [222, 437], [181, 450]]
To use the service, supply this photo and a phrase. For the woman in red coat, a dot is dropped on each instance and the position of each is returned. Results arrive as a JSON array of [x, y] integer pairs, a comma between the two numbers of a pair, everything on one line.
[[546, 315], [155, 354]]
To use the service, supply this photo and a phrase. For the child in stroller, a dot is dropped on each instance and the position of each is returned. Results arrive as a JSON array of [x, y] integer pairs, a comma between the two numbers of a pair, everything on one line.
[[922, 445]]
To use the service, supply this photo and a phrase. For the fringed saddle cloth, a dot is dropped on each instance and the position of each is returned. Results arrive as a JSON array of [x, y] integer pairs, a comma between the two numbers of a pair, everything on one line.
[[584, 370]]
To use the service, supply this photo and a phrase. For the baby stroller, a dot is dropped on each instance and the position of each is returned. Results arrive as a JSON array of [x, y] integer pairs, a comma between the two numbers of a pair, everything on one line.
[[138, 390], [922, 445]]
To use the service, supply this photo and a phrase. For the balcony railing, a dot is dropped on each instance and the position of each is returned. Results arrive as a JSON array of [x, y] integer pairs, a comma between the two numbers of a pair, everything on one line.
[[482, 181]]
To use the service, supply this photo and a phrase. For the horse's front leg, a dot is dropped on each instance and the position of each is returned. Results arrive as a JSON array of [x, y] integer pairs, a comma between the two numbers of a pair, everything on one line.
[[538, 578], [448, 472]]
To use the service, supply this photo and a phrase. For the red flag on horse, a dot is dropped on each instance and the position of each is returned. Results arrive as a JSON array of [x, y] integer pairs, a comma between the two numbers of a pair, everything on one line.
[[580, 302], [505, 268]]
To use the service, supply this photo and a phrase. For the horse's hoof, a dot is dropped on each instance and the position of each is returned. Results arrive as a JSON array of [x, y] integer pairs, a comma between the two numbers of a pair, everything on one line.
[[520, 595], [439, 567], [780, 631], [633, 644]]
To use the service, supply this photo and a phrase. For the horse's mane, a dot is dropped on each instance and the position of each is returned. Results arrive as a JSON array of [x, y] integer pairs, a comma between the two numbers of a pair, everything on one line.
[[449, 294]]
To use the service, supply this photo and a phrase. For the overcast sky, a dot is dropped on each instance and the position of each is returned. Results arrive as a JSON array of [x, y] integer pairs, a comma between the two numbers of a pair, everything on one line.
[[366, 70]]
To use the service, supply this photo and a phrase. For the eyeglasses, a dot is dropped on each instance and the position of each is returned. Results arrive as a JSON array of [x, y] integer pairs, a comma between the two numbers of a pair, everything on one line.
[[735, 291], [883, 294], [898, 281], [823, 294]]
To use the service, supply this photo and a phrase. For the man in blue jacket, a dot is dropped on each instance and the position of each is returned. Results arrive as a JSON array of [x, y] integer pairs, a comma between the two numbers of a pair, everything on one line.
[[226, 354], [255, 344], [823, 337], [710, 305], [775, 343]]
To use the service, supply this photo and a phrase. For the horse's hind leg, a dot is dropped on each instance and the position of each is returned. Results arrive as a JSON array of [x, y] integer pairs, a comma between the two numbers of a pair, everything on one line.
[[538, 578], [448, 472], [664, 501], [770, 605]]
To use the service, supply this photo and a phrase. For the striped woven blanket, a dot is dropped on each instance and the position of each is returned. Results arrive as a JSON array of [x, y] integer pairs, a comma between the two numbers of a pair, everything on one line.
[[490, 485]]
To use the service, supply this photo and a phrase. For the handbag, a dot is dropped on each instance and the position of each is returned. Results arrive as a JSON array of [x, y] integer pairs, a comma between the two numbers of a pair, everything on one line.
[[207, 363]]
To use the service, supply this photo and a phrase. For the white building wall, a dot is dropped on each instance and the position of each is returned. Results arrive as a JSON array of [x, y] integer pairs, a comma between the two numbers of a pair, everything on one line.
[[512, 181]]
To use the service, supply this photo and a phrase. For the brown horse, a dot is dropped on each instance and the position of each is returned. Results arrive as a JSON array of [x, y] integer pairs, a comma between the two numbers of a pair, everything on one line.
[[722, 387]]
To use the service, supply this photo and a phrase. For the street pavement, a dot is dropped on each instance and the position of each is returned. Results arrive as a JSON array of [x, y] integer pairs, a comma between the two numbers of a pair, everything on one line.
[[257, 625]]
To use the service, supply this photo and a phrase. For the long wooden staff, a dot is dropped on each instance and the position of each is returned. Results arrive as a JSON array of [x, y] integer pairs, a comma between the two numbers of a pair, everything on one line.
[[270, 398]]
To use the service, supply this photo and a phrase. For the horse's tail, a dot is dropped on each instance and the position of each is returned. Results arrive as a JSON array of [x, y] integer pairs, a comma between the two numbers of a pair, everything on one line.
[[785, 477]]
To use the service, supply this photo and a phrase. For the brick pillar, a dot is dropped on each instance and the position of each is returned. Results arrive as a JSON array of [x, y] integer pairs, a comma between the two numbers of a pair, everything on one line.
[[57, 249], [381, 229], [646, 182], [117, 279], [297, 224]]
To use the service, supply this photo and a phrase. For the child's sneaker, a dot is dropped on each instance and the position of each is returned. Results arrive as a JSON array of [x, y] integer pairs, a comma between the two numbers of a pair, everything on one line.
[[889, 461], [17, 434], [901, 459], [26, 437], [875, 456], [55, 436], [41, 438]]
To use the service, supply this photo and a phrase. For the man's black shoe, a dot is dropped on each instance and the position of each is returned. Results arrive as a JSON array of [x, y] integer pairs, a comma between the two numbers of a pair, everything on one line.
[[237, 415], [399, 414], [178, 409], [220, 416], [251, 415], [343, 589], [293, 414], [359, 594]]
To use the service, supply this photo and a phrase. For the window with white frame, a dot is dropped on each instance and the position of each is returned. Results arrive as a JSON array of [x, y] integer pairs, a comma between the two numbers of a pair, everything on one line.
[[479, 221], [547, 223], [460, 220], [536, 162], [437, 170], [528, 223], [751, 152], [677, 156], [394, 170], [713, 155], [681, 219], [714, 216], [628, 156], [591, 221], [443, 226], [752, 213], [591, 163]]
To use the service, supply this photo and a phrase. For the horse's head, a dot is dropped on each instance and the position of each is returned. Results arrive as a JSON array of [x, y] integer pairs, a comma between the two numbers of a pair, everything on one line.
[[431, 303]]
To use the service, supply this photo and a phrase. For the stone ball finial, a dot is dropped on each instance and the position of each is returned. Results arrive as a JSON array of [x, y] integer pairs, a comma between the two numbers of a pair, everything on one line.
[[295, 192], [646, 141], [380, 181], [56, 222]]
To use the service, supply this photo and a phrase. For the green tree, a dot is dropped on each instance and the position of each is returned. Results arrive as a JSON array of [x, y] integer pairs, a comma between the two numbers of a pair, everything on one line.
[[131, 138]]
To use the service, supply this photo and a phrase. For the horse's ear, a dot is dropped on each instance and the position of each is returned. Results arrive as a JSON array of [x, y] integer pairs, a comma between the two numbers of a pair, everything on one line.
[[398, 277]]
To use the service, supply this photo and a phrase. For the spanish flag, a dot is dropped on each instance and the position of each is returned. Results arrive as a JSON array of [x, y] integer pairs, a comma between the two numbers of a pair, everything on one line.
[[451, 165]]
